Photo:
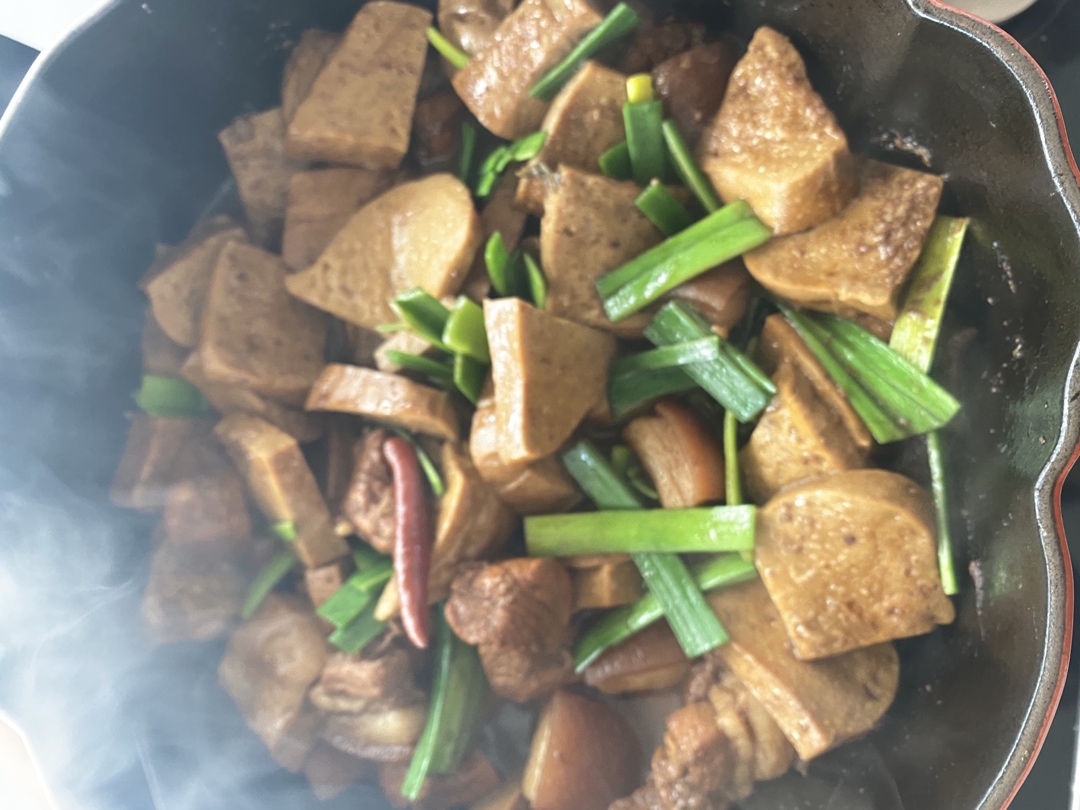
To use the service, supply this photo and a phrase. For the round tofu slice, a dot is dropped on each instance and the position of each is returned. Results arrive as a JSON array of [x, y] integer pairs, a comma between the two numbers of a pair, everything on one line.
[[850, 560]]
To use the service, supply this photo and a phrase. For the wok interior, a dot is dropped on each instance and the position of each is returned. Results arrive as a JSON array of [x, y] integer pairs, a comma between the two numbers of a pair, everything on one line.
[[118, 143]]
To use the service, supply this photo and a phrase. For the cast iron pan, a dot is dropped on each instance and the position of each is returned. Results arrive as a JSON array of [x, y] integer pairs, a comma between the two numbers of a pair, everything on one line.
[[111, 148]]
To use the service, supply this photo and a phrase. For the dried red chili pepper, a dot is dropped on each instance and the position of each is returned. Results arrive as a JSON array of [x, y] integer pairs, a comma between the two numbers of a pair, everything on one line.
[[412, 537]]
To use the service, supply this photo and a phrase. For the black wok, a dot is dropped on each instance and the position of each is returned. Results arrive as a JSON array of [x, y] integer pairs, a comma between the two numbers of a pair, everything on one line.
[[110, 147]]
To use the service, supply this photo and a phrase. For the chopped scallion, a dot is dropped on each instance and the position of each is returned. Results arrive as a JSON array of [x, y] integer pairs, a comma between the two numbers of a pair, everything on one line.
[[615, 163], [618, 625], [266, 580], [675, 354], [425, 315], [628, 391], [727, 379], [705, 529], [670, 584], [169, 397], [645, 140], [286, 531], [465, 332], [916, 331], [946, 563], [345, 604], [619, 22], [360, 632], [680, 258], [537, 283], [527, 147], [663, 209], [457, 693], [734, 212], [450, 52], [504, 268], [469, 377], [687, 169], [439, 371], [501, 157]]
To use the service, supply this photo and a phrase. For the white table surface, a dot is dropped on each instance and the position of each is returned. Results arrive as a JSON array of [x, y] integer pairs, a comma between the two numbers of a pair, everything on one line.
[[40, 23]]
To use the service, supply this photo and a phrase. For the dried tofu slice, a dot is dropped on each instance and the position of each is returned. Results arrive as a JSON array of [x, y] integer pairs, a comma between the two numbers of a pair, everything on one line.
[[227, 399], [530, 489], [149, 464], [306, 62], [533, 39], [583, 122], [255, 148], [817, 704], [177, 291], [857, 262], [548, 373], [254, 334], [321, 202], [850, 560], [798, 438], [385, 398], [360, 107], [775, 144], [420, 234], [283, 485], [590, 227]]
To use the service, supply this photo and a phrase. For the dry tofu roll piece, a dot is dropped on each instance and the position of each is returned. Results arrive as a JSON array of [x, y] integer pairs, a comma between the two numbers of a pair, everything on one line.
[[774, 143], [360, 107], [548, 375], [420, 234], [305, 63], [850, 560]]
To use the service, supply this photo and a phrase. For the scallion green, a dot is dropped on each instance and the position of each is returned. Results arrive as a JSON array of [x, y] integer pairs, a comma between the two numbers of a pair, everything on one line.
[[285, 531], [676, 354], [915, 333], [619, 22], [687, 169], [456, 698], [727, 378], [704, 229], [266, 580], [504, 268], [680, 258], [626, 392], [617, 625], [170, 397], [469, 377], [645, 140], [537, 283], [663, 210], [501, 157], [450, 52], [465, 332], [360, 632], [439, 371], [431, 472], [615, 163], [425, 315], [677, 531], [346, 603], [670, 585]]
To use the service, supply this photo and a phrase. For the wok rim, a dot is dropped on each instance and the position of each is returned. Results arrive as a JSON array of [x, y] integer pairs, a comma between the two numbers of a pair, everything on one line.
[[1058, 158]]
